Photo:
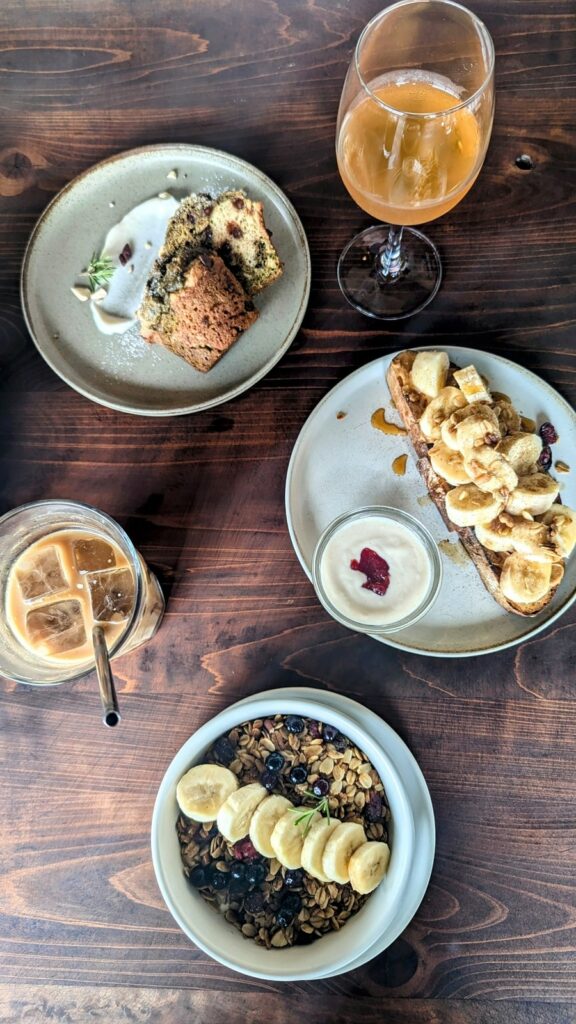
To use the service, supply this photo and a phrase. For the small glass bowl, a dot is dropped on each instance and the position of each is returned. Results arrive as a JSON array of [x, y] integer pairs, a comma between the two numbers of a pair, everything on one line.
[[395, 515]]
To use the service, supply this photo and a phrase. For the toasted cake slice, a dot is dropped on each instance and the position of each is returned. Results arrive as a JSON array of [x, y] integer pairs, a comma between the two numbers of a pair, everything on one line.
[[187, 235], [240, 236], [202, 319]]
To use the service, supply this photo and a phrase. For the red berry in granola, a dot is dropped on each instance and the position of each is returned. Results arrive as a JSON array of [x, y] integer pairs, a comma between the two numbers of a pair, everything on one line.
[[548, 433], [125, 255], [245, 850], [545, 458]]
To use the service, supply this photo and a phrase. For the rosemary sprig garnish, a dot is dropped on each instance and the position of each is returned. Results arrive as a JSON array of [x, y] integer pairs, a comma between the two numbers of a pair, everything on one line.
[[306, 814], [99, 271]]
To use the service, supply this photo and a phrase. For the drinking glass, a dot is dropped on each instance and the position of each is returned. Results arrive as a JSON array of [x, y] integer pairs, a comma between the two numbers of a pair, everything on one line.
[[413, 128], [28, 524]]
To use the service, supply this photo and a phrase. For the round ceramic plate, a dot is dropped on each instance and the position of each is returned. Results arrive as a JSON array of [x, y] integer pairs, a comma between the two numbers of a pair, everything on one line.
[[123, 371], [418, 797], [340, 462]]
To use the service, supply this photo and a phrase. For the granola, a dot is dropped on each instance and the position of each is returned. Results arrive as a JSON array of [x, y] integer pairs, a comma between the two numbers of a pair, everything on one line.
[[303, 760]]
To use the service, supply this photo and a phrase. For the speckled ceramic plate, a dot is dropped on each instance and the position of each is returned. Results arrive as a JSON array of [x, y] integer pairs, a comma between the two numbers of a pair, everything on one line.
[[122, 371], [341, 462]]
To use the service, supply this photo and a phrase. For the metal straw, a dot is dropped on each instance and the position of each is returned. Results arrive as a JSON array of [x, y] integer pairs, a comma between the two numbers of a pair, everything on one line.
[[108, 697]]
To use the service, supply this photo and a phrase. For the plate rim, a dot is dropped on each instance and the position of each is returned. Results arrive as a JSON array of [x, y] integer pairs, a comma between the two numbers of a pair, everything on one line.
[[384, 360], [190, 148]]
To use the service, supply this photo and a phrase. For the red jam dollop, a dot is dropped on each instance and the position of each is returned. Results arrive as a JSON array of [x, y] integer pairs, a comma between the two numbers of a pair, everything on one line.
[[376, 570]]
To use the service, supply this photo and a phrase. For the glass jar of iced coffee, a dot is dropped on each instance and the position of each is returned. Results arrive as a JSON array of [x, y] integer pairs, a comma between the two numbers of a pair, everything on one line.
[[65, 567]]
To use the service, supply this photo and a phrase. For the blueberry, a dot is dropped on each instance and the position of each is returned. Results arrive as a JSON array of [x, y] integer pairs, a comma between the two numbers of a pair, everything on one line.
[[223, 750], [321, 787], [340, 743], [269, 780], [275, 762], [255, 873], [330, 733], [293, 879], [294, 724], [237, 871], [288, 908], [217, 879], [197, 877], [238, 886], [254, 903], [298, 774]]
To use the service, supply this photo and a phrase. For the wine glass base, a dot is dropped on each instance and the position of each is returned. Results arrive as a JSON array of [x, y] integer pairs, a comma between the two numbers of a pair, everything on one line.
[[389, 297]]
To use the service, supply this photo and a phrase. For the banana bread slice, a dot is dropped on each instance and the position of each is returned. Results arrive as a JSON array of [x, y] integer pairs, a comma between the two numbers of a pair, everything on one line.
[[204, 316], [188, 233], [241, 238]]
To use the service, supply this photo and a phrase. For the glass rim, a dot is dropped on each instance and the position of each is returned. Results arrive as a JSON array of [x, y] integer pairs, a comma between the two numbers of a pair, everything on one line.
[[398, 515], [482, 30], [134, 564]]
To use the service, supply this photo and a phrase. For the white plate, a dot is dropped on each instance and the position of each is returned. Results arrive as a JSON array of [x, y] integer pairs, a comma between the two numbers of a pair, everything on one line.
[[418, 796], [343, 463], [123, 371]]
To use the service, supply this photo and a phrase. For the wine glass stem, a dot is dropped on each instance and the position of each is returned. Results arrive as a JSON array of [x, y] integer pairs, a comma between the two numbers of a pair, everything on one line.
[[390, 260]]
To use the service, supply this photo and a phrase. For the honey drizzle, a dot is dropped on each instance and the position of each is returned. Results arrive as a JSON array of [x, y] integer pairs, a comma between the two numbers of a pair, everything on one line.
[[399, 465], [379, 421]]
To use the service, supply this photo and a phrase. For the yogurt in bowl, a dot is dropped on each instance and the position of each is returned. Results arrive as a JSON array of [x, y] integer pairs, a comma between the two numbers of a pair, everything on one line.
[[376, 569]]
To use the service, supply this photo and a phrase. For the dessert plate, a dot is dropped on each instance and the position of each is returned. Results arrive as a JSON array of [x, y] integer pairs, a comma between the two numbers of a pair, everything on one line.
[[123, 371], [340, 462], [418, 796]]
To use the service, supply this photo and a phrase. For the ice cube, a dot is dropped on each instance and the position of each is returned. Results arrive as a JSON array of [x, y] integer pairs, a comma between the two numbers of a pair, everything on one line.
[[93, 554], [112, 594], [57, 627], [41, 573]]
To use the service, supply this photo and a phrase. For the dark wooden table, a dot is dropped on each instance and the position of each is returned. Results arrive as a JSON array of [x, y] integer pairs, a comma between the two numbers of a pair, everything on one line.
[[84, 933]]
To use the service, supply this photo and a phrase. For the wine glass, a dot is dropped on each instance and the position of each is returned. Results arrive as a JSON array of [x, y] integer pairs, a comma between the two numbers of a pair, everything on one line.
[[413, 128]]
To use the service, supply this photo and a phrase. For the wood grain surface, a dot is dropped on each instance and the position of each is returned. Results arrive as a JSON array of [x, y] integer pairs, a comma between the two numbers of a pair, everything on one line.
[[84, 934]]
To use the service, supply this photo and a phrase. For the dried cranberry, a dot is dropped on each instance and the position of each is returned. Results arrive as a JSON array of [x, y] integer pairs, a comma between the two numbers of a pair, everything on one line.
[[234, 229], [374, 807], [223, 750], [238, 203], [548, 433], [125, 255], [314, 730], [245, 850], [376, 570], [545, 458]]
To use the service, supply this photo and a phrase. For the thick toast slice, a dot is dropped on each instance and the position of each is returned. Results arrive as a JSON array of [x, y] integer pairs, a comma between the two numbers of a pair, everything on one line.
[[410, 405]]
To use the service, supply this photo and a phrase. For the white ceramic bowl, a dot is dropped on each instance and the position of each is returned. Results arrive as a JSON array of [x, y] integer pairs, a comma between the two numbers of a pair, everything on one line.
[[210, 931]]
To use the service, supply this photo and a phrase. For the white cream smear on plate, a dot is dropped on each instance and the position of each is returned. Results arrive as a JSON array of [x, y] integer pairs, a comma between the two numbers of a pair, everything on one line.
[[408, 561], [143, 228]]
